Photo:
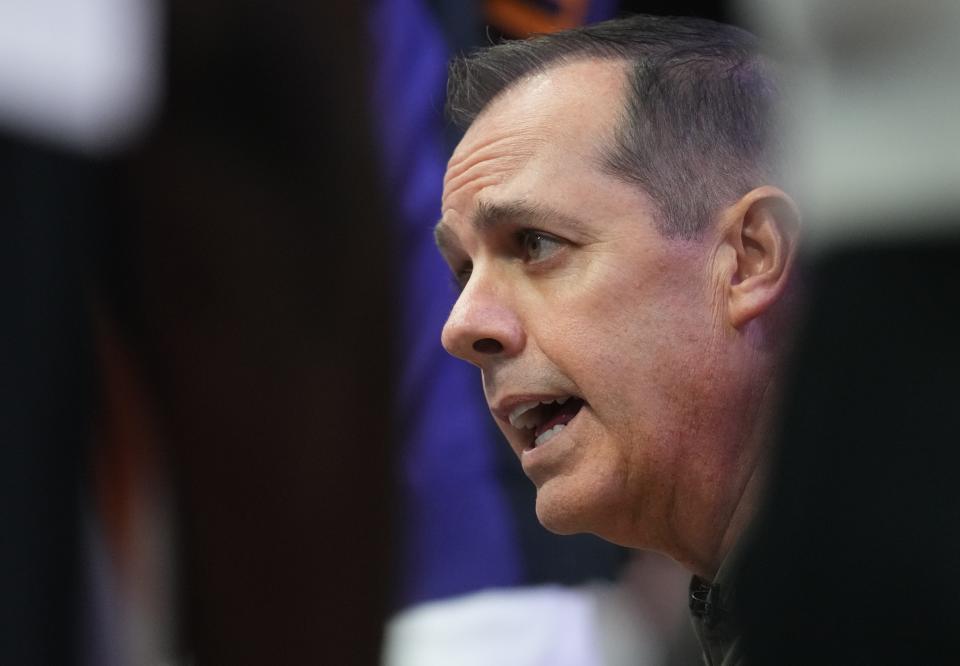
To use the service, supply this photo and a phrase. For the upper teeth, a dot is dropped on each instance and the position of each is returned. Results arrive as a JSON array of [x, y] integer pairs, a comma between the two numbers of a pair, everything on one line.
[[521, 418]]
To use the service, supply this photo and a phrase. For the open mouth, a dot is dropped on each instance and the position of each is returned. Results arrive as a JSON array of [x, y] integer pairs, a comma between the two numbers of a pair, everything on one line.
[[545, 419]]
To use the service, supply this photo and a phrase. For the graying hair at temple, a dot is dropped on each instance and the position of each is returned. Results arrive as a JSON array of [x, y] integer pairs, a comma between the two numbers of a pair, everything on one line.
[[697, 129]]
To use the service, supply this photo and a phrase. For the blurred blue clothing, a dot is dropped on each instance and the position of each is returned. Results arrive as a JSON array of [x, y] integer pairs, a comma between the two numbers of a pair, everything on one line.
[[456, 530]]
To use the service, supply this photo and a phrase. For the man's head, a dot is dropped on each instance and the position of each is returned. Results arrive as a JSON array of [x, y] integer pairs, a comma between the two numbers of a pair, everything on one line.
[[608, 217]]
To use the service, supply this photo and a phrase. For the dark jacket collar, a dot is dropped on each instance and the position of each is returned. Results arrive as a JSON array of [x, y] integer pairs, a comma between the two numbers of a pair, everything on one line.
[[713, 611]]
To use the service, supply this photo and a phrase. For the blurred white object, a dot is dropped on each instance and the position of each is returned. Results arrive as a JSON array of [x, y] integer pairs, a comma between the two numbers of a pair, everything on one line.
[[80, 73], [587, 625], [874, 112]]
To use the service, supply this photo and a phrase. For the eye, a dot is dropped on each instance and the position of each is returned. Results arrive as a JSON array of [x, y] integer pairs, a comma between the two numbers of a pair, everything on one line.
[[538, 246], [461, 276]]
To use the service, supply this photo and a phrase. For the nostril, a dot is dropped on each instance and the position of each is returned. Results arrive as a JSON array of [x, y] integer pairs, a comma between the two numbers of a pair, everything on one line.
[[487, 346]]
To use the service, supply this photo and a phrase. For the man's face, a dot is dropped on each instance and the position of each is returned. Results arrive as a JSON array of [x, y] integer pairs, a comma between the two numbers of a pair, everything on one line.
[[571, 294]]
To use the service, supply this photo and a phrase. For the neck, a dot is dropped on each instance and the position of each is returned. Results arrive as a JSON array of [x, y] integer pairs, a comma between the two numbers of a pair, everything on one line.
[[740, 519], [745, 494]]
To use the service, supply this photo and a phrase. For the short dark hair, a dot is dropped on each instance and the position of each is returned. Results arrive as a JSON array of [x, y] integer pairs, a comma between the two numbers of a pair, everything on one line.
[[697, 128]]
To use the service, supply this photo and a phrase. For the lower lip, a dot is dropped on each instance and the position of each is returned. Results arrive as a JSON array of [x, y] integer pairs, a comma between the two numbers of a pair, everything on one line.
[[536, 456]]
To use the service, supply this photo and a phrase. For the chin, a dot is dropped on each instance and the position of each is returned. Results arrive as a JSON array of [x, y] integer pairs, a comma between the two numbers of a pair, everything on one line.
[[564, 512]]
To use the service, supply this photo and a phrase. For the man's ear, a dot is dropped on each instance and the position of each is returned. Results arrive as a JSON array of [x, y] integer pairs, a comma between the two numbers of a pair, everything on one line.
[[762, 228]]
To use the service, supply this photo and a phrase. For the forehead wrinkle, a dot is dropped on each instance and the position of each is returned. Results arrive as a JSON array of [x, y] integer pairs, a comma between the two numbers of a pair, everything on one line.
[[497, 170], [522, 132], [501, 155]]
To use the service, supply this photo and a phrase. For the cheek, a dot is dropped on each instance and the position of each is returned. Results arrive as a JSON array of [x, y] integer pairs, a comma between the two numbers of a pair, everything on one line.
[[635, 348]]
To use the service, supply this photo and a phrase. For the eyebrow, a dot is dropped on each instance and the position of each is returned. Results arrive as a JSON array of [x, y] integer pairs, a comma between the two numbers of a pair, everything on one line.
[[495, 214], [491, 215]]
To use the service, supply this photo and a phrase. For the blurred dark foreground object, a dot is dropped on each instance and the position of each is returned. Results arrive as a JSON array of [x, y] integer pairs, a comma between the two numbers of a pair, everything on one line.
[[45, 400], [263, 305], [857, 556], [238, 255]]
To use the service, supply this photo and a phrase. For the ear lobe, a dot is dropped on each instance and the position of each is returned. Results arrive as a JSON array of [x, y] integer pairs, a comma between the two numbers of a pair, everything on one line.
[[763, 231]]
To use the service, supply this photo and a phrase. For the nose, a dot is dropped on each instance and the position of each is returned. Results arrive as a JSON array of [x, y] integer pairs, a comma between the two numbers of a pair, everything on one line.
[[483, 325]]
